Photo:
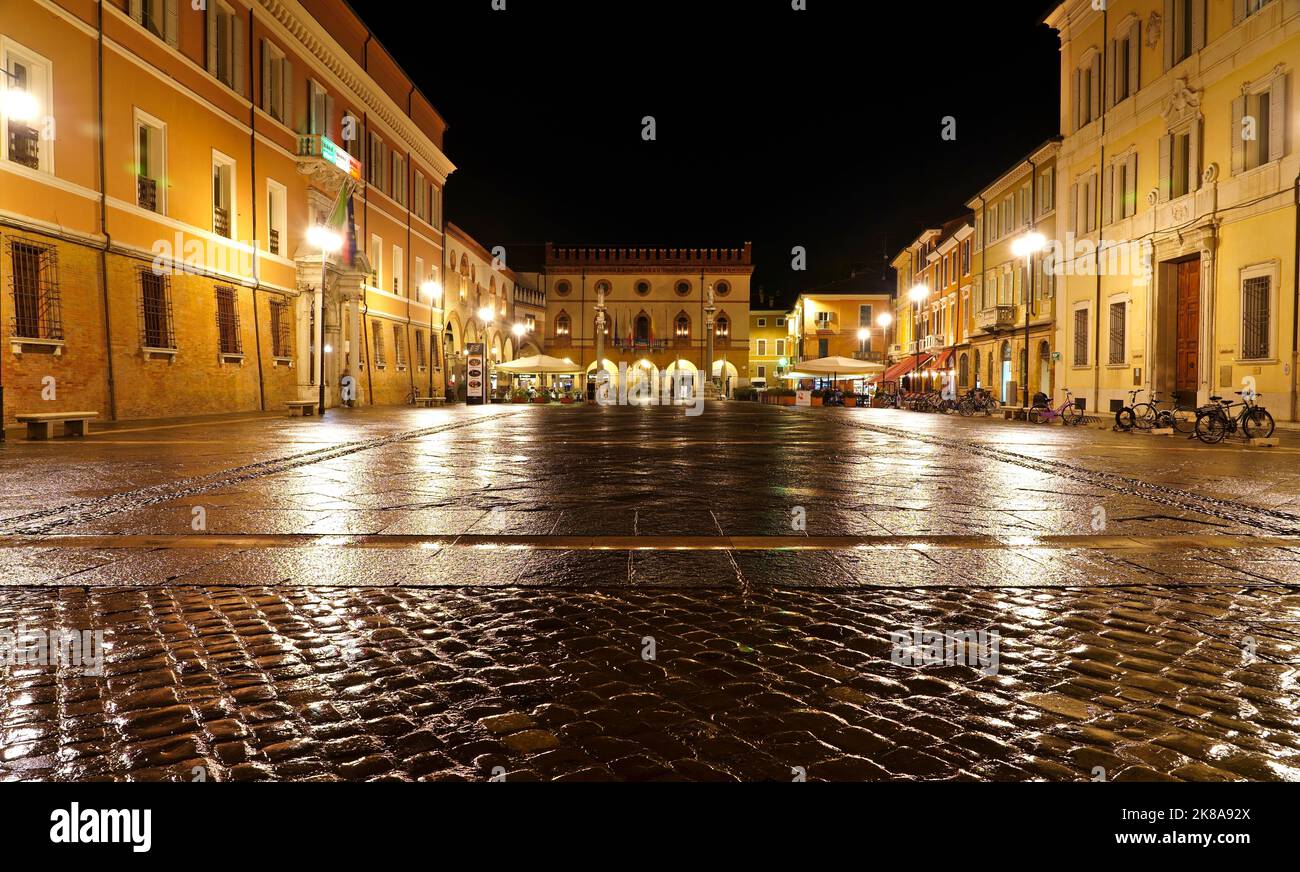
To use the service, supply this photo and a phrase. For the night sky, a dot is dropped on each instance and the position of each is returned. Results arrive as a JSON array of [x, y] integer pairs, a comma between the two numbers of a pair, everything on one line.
[[818, 128]]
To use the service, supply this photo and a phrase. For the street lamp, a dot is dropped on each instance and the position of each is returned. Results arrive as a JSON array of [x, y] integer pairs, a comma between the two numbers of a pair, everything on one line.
[[1027, 246], [918, 294], [863, 335], [485, 314], [328, 241]]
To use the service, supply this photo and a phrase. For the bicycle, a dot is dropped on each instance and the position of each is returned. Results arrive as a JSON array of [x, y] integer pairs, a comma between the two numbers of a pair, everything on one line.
[[1135, 415], [1214, 421], [977, 400], [1069, 414]]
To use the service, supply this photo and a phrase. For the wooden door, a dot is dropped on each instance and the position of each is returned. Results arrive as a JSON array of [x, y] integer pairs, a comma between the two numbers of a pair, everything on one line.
[[1187, 338]]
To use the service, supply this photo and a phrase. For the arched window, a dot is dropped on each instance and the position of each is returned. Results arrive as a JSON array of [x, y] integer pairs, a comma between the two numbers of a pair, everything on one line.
[[682, 326], [977, 365], [963, 370], [722, 327], [563, 326], [642, 328]]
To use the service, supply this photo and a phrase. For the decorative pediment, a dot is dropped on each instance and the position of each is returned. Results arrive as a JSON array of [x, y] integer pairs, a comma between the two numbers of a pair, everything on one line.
[[1182, 103]]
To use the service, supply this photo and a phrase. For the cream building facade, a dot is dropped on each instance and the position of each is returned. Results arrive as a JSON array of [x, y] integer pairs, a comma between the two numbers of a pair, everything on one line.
[[1179, 175], [663, 310]]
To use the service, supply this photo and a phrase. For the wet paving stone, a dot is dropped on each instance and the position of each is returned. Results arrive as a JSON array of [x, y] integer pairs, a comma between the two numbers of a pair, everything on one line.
[[334, 655]]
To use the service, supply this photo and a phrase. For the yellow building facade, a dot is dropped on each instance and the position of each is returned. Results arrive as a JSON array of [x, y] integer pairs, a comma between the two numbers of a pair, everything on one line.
[[1178, 174], [934, 332], [1012, 308], [658, 307], [769, 339], [159, 171], [829, 322]]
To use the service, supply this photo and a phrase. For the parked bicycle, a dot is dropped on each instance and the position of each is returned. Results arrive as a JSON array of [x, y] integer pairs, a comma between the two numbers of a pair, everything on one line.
[[1067, 413], [977, 400], [1215, 421]]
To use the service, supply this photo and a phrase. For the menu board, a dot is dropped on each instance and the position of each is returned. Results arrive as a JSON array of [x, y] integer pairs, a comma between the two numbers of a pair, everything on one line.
[[476, 374]]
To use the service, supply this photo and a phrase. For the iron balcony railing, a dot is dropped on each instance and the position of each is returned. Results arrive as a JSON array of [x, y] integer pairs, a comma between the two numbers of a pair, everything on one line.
[[146, 193], [995, 318]]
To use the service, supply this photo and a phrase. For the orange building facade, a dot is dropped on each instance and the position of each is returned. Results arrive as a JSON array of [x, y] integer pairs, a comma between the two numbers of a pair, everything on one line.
[[159, 171]]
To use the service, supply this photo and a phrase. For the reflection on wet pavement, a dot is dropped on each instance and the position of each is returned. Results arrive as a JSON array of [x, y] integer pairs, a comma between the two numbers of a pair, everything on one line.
[[459, 593]]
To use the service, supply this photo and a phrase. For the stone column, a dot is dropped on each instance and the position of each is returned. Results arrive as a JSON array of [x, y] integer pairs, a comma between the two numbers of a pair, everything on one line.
[[709, 311], [600, 335]]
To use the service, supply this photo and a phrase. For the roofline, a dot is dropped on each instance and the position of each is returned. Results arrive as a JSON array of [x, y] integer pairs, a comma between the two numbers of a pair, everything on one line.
[[1049, 142], [371, 33]]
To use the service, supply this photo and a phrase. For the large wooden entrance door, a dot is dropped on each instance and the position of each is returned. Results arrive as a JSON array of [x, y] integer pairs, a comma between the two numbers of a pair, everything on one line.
[[1187, 336]]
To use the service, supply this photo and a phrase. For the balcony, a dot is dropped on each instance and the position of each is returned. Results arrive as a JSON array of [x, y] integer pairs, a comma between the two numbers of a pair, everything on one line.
[[870, 356], [530, 297], [995, 318], [221, 222], [932, 343], [637, 345], [326, 163], [146, 193]]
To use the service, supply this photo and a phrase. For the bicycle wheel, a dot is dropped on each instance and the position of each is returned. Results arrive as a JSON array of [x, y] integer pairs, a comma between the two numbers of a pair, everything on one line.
[[1071, 415], [966, 408], [1165, 420], [1144, 416], [1184, 420], [1036, 416], [1125, 419], [1211, 427], [1258, 424]]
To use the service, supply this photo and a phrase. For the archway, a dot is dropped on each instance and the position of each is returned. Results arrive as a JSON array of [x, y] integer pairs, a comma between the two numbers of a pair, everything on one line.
[[681, 378], [642, 382], [611, 368], [1045, 368], [725, 372], [1006, 372]]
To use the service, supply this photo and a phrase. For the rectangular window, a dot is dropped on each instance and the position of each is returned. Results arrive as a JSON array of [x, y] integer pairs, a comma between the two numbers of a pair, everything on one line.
[[1182, 164], [1117, 324], [229, 340], [320, 109], [780, 322], [1080, 337], [823, 321], [399, 179], [277, 83], [377, 339], [1185, 29], [421, 201], [1256, 317], [156, 16], [399, 261], [762, 348], [223, 195], [376, 162], [399, 347], [155, 310], [276, 203], [376, 261], [419, 349], [762, 322], [435, 195], [25, 142], [762, 372], [225, 45], [34, 285], [1046, 191], [780, 348], [281, 330], [150, 163]]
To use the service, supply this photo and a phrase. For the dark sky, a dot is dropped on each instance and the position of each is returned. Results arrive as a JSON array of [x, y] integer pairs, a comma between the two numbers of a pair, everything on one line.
[[818, 128]]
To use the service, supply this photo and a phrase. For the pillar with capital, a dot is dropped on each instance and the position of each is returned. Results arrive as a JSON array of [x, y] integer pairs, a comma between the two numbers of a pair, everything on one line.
[[600, 335]]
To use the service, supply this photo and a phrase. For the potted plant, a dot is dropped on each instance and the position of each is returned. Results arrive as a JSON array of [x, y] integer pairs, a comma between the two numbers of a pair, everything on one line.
[[568, 398], [817, 397], [519, 395]]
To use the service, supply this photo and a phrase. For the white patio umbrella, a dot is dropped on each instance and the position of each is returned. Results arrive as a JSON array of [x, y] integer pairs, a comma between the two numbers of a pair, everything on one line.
[[835, 367], [539, 364]]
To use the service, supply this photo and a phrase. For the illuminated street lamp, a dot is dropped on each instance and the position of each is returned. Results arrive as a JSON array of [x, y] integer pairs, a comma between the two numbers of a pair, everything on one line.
[[918, 294], [519, 330], [485, 314], [1027, 246], [328, 241]]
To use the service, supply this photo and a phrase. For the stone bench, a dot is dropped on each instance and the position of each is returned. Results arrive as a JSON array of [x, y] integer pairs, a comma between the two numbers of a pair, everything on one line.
[[39, 425], [430, 402], [306, 407]]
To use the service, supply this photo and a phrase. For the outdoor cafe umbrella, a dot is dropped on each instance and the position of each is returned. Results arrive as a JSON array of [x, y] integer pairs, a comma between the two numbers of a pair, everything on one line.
[[835, 367], [539, 364]]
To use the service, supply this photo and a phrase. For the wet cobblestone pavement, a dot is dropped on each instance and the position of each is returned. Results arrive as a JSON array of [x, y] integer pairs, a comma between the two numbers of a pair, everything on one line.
[[470, 594]]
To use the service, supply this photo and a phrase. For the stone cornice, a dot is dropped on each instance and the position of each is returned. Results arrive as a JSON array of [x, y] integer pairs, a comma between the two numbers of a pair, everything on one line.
[[318, 45]]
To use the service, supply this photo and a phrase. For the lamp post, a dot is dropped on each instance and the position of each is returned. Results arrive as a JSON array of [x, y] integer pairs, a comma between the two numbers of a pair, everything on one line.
[[328, 241], [433, 292], [1027, 246], [918, 294]]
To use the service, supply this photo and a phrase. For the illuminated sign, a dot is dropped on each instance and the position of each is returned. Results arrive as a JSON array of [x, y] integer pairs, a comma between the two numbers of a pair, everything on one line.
[[340, 158]]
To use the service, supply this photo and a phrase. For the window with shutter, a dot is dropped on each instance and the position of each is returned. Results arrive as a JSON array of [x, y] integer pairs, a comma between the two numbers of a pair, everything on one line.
[[229, 340], [377, 336]]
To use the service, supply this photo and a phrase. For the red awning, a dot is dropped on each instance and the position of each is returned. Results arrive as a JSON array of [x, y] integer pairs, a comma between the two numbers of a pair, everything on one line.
[[942, 361], [900, 369]]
